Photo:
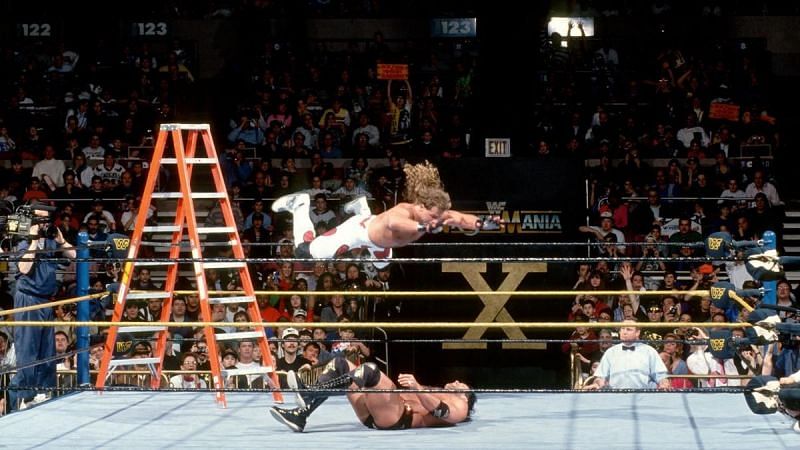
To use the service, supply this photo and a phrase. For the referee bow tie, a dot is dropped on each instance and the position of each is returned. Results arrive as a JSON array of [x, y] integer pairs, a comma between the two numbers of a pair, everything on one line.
[[629, 347]]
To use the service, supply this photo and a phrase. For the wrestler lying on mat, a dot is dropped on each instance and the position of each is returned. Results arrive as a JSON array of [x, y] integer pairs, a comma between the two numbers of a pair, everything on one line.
[[379, 410], [427, 210]]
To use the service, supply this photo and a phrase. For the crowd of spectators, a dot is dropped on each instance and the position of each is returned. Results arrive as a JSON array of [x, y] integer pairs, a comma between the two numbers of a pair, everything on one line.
[[76, 126], [664, 170], [683, 350], [82, 118], [75, 123]]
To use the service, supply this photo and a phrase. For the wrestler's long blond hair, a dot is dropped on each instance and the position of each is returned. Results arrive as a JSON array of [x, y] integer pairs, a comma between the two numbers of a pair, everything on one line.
[[424, 186]]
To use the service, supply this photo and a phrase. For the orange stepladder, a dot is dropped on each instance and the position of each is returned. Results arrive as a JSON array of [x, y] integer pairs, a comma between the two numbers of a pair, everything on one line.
[[185, 160]]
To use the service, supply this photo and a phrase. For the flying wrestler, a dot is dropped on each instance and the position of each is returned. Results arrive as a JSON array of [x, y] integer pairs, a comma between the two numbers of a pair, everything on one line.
[[395, 410], [427, 210]]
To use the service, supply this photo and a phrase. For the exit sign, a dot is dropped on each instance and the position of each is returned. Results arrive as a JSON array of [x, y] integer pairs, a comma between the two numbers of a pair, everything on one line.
[[498, 147]]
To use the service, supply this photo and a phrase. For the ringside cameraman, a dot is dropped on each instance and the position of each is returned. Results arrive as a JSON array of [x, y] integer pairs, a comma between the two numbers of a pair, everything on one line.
[[35, 284]]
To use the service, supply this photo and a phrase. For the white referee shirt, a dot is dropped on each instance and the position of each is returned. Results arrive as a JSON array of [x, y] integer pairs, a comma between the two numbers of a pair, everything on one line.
[[639, 368]]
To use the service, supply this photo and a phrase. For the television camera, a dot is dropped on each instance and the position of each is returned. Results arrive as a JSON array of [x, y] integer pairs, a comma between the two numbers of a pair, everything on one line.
[[25, 217]]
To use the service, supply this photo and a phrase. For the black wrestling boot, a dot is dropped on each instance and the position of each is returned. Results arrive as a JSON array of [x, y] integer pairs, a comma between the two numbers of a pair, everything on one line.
[[295, 418], [334, 376]]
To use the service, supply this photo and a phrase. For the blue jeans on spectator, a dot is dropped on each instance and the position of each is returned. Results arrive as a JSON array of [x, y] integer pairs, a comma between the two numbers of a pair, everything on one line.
[[32, 344]]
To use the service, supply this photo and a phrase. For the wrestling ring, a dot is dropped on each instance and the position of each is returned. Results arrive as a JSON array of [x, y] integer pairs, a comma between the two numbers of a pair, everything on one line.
[[141, 417]]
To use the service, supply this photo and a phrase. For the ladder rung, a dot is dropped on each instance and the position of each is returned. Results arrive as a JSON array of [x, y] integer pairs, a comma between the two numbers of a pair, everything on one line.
[[148, 295], [239, 299], [239, 335], [189, 160], [132, 362], [167, 249], [224, 265], [165, 246], [171, 213], [209, 195], [154, 263], [208, 230], [175, 228], [142, 329], [197, 195], [161, 229], [185, 126], [249, 371]]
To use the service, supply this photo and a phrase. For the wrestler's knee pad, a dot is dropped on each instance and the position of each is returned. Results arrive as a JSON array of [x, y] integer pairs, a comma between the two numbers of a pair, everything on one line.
[[761, 402], [366, 375]]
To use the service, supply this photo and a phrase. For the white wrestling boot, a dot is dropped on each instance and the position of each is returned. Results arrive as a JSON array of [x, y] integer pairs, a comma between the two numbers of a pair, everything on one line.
[[290, 202], [357, 207], [294, 382]]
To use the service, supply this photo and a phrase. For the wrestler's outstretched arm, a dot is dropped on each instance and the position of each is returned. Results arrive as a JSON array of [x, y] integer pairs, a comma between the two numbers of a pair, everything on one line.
[[469, 221]]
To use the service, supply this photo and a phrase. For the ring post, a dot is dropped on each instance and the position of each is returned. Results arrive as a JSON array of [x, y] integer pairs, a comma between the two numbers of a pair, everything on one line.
[[82, 281], [770, 243]]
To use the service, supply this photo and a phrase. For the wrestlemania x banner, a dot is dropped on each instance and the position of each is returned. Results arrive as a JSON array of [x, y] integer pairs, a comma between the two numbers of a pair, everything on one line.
[[540, 200]]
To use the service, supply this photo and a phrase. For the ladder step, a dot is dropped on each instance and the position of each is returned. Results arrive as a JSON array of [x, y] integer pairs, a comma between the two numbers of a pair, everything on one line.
[[189, 160], [165, 250], [142, 329], [792, 226], [197, 195], [249, 371], [161, 229], [791, 237], [792, 213], [225, 265], [792, 249], [176, 228], [167, 195], [154, 263], [239, 299], [186, 246], [186, 243], [239, 335], [208, 230], [197, 213], [148, 295], [132, 362], [185, 126]]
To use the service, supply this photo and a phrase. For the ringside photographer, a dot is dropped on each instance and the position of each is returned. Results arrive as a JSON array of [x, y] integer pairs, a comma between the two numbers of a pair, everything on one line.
[[39, 242]]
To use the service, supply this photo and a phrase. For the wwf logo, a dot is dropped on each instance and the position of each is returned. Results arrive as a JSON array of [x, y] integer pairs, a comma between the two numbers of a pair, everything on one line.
[[717, 293], [122, 243], [495, 208], [714, 243], [717, 344], [124, 346]]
